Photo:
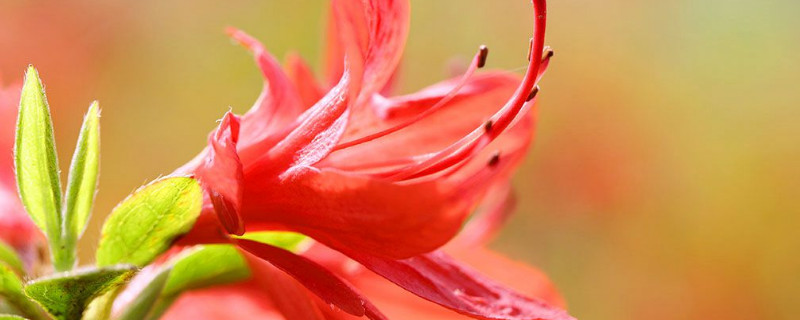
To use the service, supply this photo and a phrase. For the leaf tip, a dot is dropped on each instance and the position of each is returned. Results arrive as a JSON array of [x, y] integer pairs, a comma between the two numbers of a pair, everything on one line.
[[94, 108], [31, 77]]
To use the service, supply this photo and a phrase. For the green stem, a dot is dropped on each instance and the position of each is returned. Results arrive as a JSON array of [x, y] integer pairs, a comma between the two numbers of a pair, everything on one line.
[[63, 253]]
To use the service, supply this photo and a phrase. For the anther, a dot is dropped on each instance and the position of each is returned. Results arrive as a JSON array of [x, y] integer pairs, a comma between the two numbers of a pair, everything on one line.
[[488, 125], [530, 49], [533, 93], [483, 53], [548, 53], [495, 159]]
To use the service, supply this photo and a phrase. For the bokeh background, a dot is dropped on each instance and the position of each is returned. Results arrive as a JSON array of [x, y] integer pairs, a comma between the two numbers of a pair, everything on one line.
[[664, 180]]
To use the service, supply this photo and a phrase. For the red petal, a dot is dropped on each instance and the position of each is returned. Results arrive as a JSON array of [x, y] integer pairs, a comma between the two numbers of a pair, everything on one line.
[[304, 81], [344, 16], [315, 278], [289, 296], [279, 103], [389, 24], [493, 164], [438, 278], [238, 301], [222, 176], [317, 130], [495, 209], [384, 26], [207, 229], [312, 140], [512, 274]]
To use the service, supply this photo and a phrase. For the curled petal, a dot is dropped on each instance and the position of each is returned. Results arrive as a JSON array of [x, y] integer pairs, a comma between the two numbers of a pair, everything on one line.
[[207, 229], [440, 279], [512, 274], [316, 278], [312, 140], [286, 294], [221, 174], [347, 27], [389, 24], [398, 303], [380, 27], [279, 103], [318, 129]]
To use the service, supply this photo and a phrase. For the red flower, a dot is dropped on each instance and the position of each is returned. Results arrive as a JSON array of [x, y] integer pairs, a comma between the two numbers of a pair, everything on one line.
[[383, 180], [16, 228]]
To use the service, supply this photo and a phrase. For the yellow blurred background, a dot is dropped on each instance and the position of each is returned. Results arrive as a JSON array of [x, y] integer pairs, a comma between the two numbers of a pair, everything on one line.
[[663, 181]]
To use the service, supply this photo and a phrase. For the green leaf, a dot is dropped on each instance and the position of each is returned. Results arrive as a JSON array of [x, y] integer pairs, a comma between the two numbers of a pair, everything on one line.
[[145, 224], [9, 256], [10, 317], [11, 291], [37, 164], [207, 266], [202, 267], [82, 182], [288, 240], [146, 299], [66, 295], [10, 286]]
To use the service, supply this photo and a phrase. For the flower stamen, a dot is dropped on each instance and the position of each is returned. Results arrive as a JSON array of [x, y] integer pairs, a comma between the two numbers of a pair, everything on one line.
[[483, 52], [488, 125], [533, 93], [478, 61], [495, 159], [476, 140]]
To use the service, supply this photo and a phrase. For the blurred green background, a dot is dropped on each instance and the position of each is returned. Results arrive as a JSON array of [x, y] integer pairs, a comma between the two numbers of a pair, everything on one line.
[[664, 180]]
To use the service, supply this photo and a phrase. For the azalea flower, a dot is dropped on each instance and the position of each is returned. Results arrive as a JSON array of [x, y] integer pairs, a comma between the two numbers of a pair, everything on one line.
[[384, 180], [16, 228]]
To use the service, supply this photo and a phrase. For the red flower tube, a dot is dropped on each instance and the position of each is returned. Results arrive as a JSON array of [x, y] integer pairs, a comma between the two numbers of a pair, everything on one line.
[[273, 294]]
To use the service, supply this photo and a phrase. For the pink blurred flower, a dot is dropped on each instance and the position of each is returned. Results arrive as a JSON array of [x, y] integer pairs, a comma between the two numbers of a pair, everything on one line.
[[69, 40]]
